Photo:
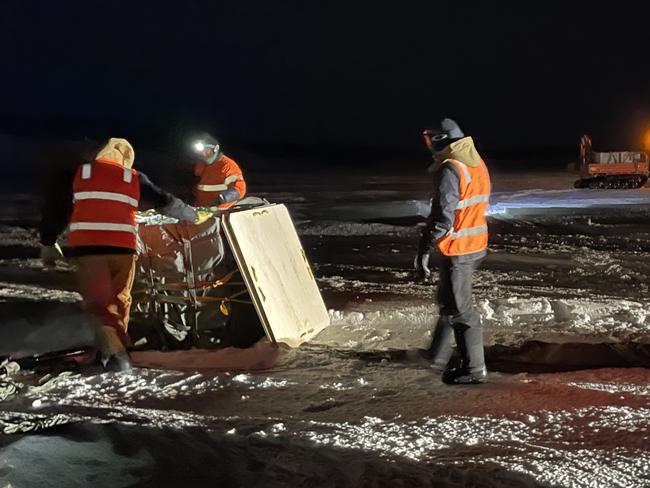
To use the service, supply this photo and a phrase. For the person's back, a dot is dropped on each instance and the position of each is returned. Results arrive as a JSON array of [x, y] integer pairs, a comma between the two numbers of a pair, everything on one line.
[[110, 224], [105, 196]]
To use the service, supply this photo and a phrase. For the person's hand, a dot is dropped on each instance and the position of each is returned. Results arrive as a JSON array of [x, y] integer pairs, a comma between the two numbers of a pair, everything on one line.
[[188, 214], [181, 211], [421, 265], [421, 262], [50, 255], [229, 195]]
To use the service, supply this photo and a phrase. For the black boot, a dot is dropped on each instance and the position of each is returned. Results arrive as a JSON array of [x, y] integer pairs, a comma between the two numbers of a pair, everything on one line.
[[438, 367], [464, 376], [117, 362], [113, 355]]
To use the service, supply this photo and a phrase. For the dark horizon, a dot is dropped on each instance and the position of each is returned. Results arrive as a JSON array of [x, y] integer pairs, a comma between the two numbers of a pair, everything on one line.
[[523, 79], [25, 157]]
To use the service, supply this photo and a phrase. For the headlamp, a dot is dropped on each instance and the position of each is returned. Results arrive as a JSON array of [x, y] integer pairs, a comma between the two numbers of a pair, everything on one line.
[[201, 146]]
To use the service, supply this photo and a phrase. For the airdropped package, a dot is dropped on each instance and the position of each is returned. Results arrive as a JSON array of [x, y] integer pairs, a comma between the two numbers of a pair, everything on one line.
[[227, 281]]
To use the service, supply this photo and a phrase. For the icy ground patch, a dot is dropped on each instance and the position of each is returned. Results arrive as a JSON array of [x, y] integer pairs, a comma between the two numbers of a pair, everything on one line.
[[506, 320], [565, 287], [388, 419]]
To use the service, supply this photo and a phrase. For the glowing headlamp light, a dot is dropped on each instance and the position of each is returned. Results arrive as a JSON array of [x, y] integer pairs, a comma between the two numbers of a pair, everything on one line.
[[201, 146]]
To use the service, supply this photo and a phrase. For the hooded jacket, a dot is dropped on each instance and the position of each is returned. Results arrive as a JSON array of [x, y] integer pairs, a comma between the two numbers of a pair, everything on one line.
[[446, 192], [118, 150], [58, 203], [220, 183]]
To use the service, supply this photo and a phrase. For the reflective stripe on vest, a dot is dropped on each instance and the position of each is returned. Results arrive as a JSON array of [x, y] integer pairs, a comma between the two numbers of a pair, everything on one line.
[[472, 201], [104, 226], [232, 179], [472, 231], [463, 167], [87, 171], [105, 195], [211, 187]]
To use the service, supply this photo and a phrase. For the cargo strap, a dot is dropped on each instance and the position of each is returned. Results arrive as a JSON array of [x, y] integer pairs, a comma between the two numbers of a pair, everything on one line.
[[184, 300], [200, 284]]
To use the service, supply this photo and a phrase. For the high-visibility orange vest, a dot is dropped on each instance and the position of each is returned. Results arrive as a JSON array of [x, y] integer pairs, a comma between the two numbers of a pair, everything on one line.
[[105, 198], [470, 232], [215, 178]]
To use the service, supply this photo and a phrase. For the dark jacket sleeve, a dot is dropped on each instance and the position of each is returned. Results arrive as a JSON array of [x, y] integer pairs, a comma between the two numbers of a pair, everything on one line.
[[443, 206], [57, 205], [151, 195], [229, 195]]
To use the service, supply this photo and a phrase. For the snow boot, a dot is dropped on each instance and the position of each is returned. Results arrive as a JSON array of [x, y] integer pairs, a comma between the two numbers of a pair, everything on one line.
[[465, 376], [118, 362], [113, 355], [438, 367]]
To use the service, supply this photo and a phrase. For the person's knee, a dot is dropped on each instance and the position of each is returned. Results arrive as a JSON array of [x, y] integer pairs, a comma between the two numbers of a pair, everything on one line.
[[447, 312], [467, 319]]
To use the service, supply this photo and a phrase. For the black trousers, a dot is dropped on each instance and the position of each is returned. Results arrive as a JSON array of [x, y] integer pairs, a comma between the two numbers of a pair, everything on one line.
[[458, 318]]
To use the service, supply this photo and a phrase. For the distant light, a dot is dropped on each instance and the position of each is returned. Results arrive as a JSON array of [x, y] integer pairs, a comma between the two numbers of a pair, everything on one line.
[[199, 146]]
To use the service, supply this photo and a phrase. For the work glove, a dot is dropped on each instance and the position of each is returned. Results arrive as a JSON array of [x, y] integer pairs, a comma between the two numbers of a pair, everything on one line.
[[421, 261], [50, 255], [228, 196], [181, 211], [421, 265]]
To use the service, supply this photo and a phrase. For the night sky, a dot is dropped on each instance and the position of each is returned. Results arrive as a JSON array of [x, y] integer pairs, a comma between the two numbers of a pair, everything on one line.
[[517, 75]]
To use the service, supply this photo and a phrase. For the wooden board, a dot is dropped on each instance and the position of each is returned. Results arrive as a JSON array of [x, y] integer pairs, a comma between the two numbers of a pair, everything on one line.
[[277, 273]]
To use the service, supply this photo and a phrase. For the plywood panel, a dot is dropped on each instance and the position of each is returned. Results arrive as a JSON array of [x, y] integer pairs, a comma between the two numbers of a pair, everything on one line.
[[277, 273]]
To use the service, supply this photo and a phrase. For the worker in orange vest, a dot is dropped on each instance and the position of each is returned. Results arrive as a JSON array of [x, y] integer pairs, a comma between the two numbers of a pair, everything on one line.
[[456, 234], [100, 207], [221, 182]]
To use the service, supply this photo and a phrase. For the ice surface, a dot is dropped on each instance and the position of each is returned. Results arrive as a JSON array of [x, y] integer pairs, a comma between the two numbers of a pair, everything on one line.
[[501, 202], [564, 287]]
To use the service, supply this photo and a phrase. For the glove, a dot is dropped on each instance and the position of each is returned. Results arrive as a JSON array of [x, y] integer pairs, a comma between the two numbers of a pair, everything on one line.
[[228, 195], [421, 261], [421, 265], [181, 211], [51, 254]]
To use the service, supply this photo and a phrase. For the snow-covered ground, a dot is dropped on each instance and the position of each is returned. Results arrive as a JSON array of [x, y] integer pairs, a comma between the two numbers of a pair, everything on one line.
[[564, 299]]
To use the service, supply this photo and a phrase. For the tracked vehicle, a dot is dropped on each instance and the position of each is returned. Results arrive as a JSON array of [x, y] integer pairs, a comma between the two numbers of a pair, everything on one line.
[[620, 169]]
